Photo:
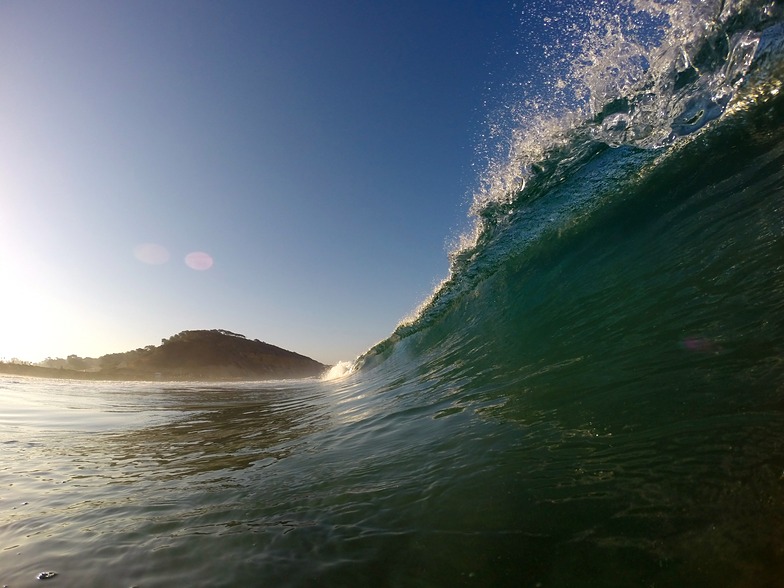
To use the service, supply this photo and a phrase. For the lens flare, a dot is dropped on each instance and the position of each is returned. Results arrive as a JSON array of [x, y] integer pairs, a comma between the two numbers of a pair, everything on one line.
[[199, 261], [151, 253]]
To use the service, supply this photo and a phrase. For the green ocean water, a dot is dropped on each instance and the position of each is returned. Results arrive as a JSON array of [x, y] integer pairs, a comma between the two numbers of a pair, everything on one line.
[[594, 397]]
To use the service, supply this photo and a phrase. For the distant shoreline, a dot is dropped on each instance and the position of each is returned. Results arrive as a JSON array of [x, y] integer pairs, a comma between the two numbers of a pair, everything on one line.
[[122, 375], [215, 355]]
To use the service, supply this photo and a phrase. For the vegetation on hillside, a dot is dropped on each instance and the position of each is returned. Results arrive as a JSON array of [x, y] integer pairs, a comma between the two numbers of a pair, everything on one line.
[[190, 355]]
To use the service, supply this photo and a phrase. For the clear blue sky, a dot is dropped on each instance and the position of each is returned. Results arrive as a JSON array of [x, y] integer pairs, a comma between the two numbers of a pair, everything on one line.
[[322, 154]]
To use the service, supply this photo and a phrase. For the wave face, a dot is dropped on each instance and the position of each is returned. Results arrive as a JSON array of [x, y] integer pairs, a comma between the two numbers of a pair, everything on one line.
[[618, 308], [614, 127]]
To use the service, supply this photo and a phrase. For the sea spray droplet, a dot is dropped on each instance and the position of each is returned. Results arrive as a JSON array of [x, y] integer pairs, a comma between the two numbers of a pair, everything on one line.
[[46, 575]]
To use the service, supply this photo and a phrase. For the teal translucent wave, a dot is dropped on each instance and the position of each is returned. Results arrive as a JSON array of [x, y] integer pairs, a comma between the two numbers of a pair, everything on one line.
[[730, 84]]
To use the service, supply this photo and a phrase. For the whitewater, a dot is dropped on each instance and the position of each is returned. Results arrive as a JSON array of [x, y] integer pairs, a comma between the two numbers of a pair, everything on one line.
[[594, 396]]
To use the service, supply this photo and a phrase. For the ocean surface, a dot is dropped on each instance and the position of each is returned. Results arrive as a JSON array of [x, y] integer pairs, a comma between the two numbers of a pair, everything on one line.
[[593, 397]]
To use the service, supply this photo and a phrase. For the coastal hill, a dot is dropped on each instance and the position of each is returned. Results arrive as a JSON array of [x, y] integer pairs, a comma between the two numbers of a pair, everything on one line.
[[189, 355]]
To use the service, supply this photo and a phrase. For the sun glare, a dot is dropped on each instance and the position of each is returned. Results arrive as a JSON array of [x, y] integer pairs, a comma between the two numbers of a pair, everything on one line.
[[29, 318], [34, 322]]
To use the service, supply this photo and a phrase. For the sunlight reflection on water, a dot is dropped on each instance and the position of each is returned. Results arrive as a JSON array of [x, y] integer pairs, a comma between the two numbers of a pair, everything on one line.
[[140, 463]]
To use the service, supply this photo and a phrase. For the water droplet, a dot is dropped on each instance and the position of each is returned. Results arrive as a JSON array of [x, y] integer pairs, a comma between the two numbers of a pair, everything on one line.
[[46, 575]]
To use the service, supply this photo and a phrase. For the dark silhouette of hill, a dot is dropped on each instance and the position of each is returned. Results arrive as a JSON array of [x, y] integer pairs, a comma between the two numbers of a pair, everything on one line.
[[189, 355], [223, 354]]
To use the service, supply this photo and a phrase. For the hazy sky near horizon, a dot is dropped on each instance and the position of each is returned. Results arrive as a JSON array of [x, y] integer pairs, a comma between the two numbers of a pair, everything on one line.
[[292, 171]]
